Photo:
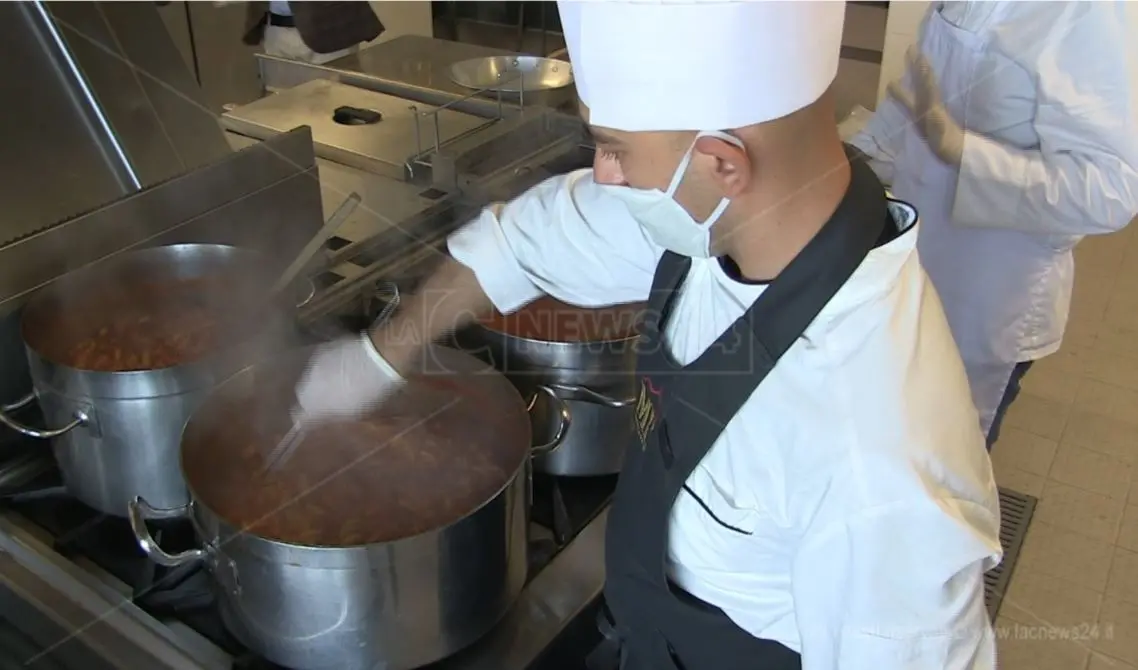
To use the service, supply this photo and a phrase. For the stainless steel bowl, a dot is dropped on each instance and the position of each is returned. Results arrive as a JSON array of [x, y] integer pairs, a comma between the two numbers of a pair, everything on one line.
[[512, 74]]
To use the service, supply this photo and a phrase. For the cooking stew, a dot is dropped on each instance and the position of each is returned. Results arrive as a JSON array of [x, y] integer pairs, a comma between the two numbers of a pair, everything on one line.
[[148, 323], [550, 320], [434, 453]]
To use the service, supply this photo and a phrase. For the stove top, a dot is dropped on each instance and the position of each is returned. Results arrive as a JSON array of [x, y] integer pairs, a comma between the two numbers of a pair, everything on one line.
[[562, 508]]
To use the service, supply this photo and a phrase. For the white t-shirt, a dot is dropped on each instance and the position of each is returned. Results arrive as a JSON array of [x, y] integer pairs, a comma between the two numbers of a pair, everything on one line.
[[856, 471]]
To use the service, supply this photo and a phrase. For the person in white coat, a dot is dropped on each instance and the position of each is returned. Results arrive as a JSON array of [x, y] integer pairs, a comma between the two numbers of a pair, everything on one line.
[[310, 32], [1013, 134], [806, 485]]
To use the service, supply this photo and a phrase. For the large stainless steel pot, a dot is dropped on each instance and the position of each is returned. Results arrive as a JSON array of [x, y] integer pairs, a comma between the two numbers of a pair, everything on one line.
[[594, 380], [395, 605], [115, 434]]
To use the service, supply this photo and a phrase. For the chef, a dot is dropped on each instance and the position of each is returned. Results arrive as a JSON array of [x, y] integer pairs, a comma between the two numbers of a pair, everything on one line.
[[311, 32], [806, 485], [1014, 137]]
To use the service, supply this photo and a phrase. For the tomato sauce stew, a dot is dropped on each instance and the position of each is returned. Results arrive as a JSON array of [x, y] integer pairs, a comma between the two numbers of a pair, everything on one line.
[[151, 324], [431, 455]]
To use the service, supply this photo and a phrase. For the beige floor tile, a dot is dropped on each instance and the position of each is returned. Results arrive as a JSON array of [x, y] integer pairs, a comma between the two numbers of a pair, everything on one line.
[[1119, 339], [1025, 451], [1125, 275], [1123, 582], [1093, 280], [1052, 379], [1091, 471], [1108, 400], [1104, 434], [1087, 513], [1043, 600], [1075, 558], [1128, 532], [1121, 313], [1070, 359], [1100, 662], [1035, 415], [1082, 333], [1099, 256], [1117, 630], [1104, 419], [1009, 477], [1025, 647], [1113, 368], [1092, 302]]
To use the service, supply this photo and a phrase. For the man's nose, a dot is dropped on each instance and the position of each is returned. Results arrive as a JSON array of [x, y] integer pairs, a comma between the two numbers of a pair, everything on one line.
[[606, 170]]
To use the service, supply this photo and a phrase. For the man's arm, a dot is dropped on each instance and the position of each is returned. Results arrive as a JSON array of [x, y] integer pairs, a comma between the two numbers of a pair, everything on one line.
[[1083, 177], [898, 587], [566, 237], [449, 299]]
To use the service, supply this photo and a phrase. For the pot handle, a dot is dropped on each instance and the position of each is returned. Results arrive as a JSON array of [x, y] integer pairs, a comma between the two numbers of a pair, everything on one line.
[[309, 293], [589, 395], [563, 424], [139, 511], [388, 291], [81, 419]]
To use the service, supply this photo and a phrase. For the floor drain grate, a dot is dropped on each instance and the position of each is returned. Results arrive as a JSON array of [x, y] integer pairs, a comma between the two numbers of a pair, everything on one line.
[[1015, 516]]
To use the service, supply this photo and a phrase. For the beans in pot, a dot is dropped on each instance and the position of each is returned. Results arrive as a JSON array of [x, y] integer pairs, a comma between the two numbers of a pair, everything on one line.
[[151, 324], [550, 320], [434, 453]]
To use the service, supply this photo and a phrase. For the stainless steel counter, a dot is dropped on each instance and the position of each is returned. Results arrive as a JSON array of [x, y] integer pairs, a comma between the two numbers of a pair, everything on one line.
[[385, 203]]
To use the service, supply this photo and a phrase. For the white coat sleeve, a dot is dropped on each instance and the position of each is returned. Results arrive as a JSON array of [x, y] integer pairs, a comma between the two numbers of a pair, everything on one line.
[[898, 588], [566, 237], [880, 139], [1083, 177]]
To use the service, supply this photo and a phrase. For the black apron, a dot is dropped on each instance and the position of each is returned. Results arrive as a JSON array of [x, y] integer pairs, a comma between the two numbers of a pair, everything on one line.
[[680, 413]]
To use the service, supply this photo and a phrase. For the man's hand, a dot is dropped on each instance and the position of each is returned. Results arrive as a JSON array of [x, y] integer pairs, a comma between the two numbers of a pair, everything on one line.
[[945, 137], [345, 380]]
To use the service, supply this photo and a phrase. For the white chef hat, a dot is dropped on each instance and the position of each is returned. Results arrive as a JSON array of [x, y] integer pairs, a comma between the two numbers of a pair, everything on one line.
[[700, 64]]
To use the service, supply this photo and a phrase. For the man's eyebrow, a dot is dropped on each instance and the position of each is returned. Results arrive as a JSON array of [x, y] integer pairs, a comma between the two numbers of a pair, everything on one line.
[[601, 136]]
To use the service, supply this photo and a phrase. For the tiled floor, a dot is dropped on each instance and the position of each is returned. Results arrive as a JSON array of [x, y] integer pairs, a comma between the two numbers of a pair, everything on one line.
[[1071, 439]]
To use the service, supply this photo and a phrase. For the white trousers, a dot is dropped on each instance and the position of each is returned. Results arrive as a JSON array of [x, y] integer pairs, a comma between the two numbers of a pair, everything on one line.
[[286, 43]]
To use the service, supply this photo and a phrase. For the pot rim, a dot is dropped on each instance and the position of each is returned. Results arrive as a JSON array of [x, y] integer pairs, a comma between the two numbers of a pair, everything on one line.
[[553, 343], [524, 461], [234, 532]]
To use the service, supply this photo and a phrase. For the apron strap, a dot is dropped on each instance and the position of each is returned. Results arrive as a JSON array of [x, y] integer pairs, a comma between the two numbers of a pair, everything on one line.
[[743, 356]]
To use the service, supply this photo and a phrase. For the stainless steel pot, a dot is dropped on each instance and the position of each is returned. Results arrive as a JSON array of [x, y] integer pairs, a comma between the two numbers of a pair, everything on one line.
[[115, 434], [395, 605], [594, 380]]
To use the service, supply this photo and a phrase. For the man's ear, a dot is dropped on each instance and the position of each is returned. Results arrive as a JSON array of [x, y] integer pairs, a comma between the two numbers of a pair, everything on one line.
[[733, 169]]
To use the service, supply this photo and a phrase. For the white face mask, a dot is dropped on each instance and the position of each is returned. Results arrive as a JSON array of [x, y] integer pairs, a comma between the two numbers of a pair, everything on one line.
[[665, 220]]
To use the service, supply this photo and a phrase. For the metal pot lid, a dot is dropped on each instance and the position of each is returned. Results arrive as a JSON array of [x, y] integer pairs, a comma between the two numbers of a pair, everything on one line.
[[550, 320], [435, 452], [512, 74]]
